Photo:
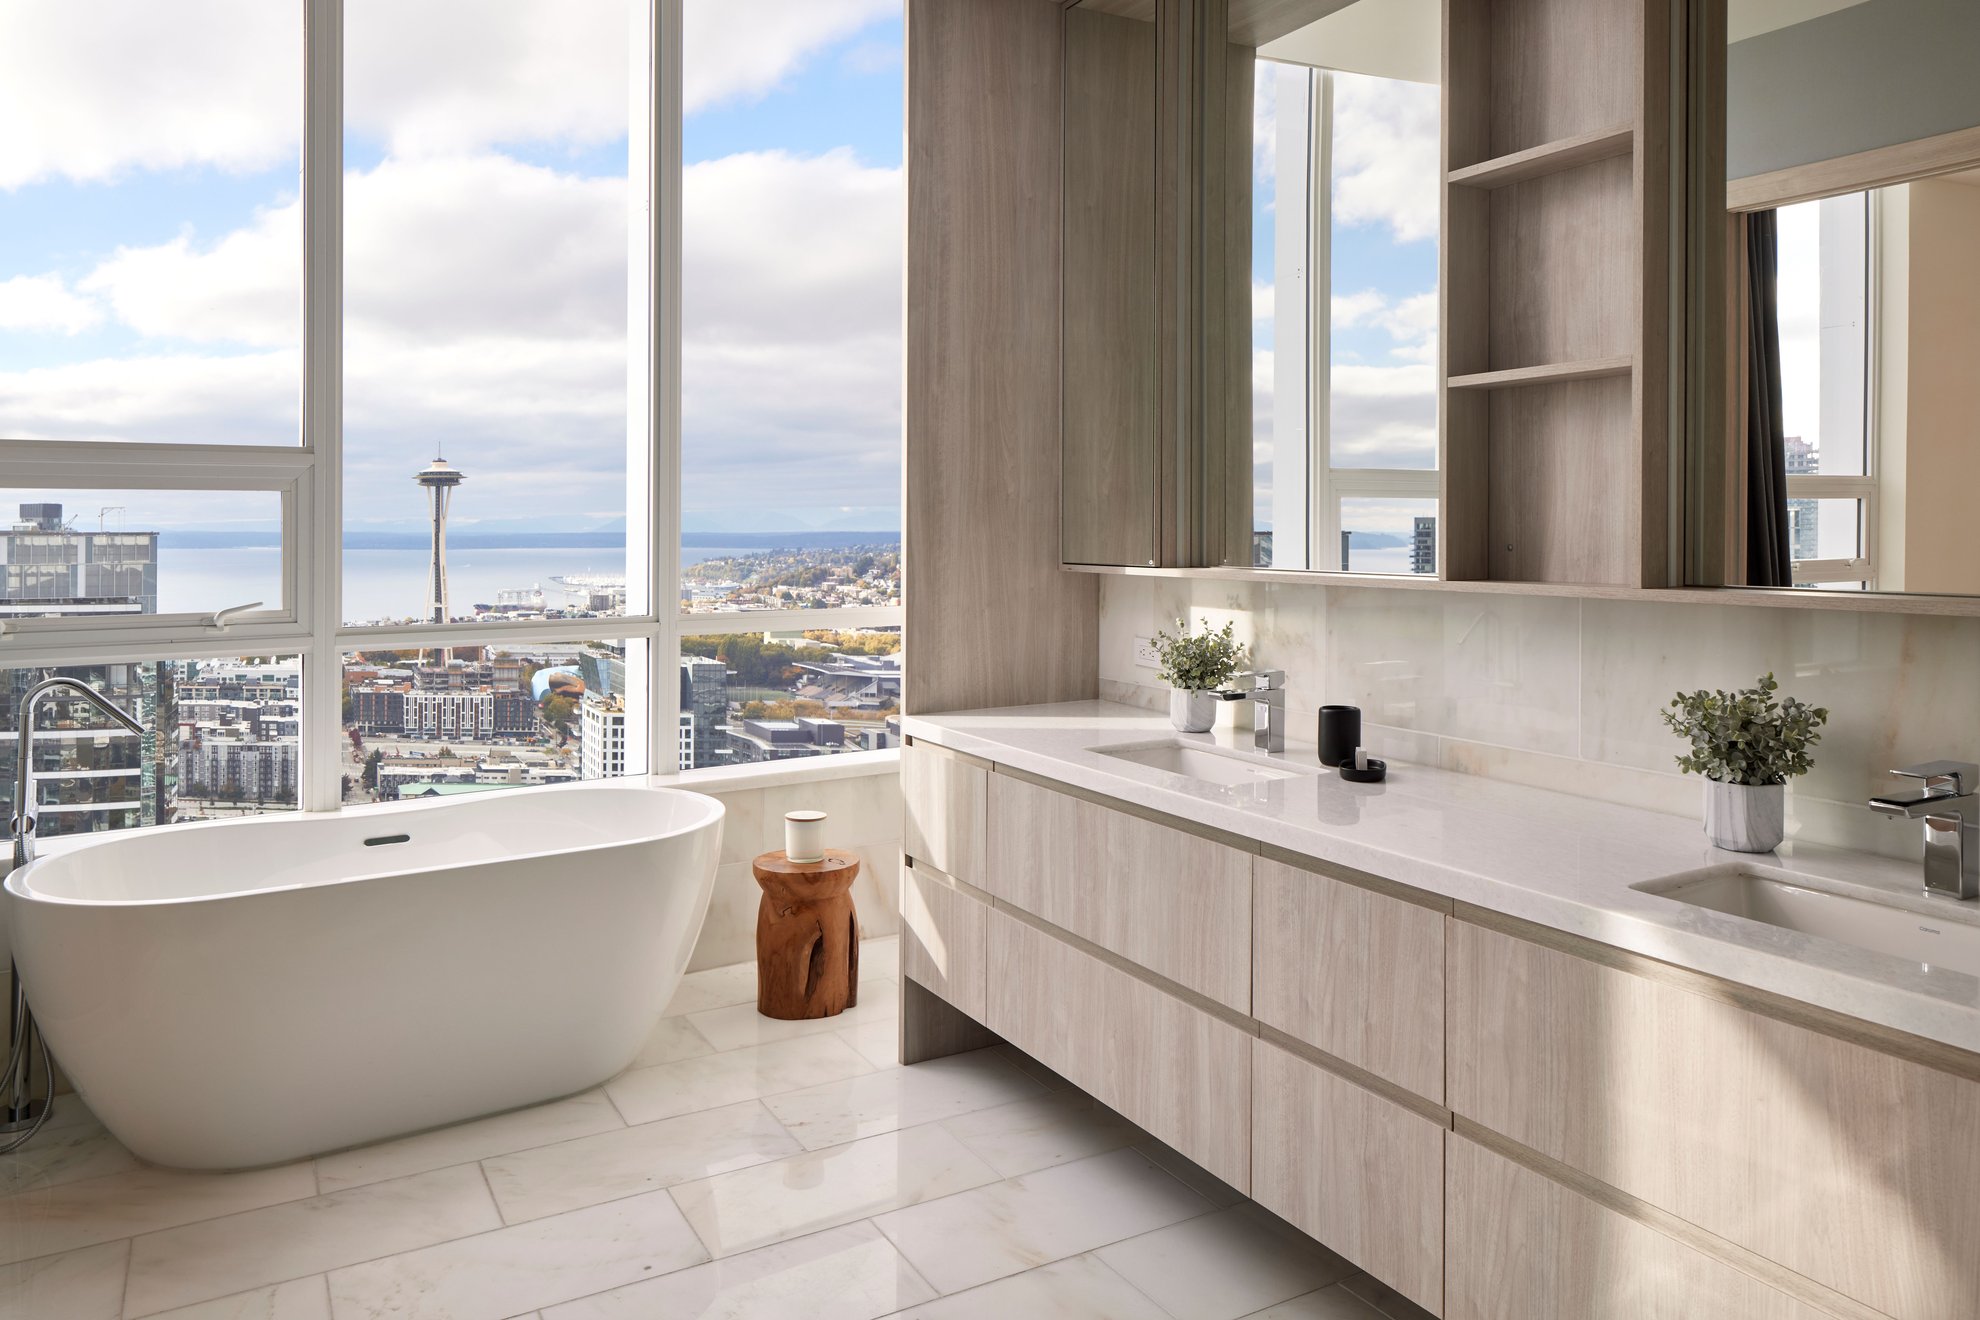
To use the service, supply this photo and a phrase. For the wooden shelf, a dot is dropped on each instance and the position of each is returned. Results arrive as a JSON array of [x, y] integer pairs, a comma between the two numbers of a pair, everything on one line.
[[1551, 374], [1549, 158]]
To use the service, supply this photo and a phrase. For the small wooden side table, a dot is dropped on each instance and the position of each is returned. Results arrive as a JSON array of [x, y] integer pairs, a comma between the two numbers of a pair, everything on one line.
[[807, 936]]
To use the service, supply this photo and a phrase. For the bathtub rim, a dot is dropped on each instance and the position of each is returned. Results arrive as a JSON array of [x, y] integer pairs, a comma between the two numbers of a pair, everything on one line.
[[16, 884]]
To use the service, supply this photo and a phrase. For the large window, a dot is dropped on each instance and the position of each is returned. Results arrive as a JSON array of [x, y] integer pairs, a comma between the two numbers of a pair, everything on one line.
[[445, 363], [1344, 310], [1824, 266]]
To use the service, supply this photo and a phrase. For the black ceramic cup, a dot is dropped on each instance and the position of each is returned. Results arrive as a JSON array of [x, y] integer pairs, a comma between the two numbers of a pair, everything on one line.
[[1340, 734]]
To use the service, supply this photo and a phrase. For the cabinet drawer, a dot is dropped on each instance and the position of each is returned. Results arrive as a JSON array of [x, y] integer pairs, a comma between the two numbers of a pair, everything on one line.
[[1353, 972], [1178, 1071], [944, 935], [1173, 902], [1360, 1173], [1523, 1247], [1853, 1167], [944, 798]]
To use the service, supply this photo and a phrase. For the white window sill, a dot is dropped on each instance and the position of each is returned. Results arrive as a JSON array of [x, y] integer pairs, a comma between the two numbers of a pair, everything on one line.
[[773, 774]]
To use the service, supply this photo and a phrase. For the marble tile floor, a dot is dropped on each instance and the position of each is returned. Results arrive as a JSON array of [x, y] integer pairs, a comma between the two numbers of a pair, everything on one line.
[[741, 1168]]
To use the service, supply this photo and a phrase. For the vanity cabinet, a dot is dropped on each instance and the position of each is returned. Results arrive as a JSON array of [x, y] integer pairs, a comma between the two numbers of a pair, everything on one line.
[[1172, 901], [1520, 1246], [1354, 1169], [945, 934], [1847, 1163], [944, 800], [1181, 1073], [1351, 970]]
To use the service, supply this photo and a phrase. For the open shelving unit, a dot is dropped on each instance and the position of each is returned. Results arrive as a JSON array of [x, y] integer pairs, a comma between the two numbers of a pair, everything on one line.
[[1554, 279]]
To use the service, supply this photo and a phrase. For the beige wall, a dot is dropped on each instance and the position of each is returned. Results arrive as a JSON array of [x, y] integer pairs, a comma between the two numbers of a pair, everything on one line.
[[864, 814], [1565, 694], [1941, 452]]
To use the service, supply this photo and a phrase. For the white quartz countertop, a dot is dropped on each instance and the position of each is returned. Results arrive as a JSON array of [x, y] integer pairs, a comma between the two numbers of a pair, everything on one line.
[[1551, 858]]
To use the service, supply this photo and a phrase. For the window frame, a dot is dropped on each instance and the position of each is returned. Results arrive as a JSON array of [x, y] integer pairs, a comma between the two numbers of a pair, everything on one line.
[[309, 474]]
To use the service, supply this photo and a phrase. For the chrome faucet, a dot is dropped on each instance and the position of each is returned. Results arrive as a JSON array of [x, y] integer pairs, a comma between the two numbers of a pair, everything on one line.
[[21, 1111], [1947, 804], [1268, 690], [23, 822]]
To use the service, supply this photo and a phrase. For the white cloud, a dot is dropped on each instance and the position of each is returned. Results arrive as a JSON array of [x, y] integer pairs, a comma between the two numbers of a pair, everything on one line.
[[486, 312], [91, 91], [1351, 309], [1386, 163], [45, 303], [738, 51]]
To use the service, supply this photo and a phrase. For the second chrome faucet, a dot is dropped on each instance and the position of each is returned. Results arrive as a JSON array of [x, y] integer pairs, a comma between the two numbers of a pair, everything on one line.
[[1268, 689], [1945, 800]]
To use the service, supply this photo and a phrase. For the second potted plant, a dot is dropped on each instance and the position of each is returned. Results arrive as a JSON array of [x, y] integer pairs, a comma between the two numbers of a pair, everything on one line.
[[1195, 665], [1747, 745]]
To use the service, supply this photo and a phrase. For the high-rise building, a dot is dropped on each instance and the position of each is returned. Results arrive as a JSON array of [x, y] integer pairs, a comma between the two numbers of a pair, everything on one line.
[[438, 480], [705, 693], [601, 736], [1423, 546], [48, 568], [1804, 516]]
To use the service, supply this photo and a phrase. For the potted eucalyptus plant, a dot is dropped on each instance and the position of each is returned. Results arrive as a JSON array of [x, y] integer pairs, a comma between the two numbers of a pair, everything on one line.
[[1195, 665], [1747, 744]]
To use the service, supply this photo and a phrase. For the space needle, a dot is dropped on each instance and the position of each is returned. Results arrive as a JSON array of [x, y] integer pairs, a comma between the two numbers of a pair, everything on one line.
[[439, 481]]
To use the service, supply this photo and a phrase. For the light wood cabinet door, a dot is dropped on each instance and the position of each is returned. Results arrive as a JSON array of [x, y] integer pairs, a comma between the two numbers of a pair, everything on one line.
[[1523, 1247], [1360, 1173], [1353, 972], [1181, 1073], [1843, 1163], [944, 939], [1173, 902], [944, 803]]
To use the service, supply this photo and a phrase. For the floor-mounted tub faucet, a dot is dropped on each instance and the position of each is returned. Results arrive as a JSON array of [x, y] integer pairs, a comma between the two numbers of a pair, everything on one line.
[[20, 1109]]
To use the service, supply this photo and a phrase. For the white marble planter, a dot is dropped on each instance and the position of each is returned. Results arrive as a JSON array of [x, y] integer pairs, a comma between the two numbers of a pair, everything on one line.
[[1749, 818], [1192, 712]]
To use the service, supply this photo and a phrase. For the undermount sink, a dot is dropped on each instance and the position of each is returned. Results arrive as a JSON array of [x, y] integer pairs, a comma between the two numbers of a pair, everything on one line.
[[1209, 765], [1922, 929]]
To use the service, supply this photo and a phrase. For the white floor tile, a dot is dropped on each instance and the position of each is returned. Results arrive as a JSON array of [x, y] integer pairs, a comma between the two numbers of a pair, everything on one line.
[[72, 1145], [87, 1284], [880, 958], [1335, 1303], [1078, 1289], [849, 1273], [463, 1143], [673, 1038], [554, 1179], [298, 1299], [1226, 1265], [647, 1094], [1025, 1222], [879, 1043], [1030, 1065], [1057, 1128], [715, 988], [876, 1102], [518, 1269], [80, 1214], [820, 1189], [243, 1251], [740, 1024]]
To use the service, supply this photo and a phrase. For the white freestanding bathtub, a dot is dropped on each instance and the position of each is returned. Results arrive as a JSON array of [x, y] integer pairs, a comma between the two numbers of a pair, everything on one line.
[[238, 993]]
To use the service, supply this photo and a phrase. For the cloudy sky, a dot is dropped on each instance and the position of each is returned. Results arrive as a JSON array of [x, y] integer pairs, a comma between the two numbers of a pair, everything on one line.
[[149, 240], [1382, 404]]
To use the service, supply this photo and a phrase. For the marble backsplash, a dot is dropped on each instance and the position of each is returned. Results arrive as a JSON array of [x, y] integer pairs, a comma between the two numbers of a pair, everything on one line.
[[1565, 694]]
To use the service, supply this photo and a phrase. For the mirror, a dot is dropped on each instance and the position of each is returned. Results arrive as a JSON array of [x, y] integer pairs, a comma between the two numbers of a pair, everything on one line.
[[1344, 214], [1250, 325], [1852, 144]]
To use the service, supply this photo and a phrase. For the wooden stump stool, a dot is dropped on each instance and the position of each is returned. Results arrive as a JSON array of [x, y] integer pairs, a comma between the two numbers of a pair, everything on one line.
[[807, 936]]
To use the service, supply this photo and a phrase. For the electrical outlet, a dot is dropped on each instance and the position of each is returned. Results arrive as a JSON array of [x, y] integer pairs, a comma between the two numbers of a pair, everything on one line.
[[1145, 654]]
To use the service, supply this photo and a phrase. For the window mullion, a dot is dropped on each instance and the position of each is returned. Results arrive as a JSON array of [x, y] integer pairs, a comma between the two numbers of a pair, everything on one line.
[[664, 341], [320, 568]]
